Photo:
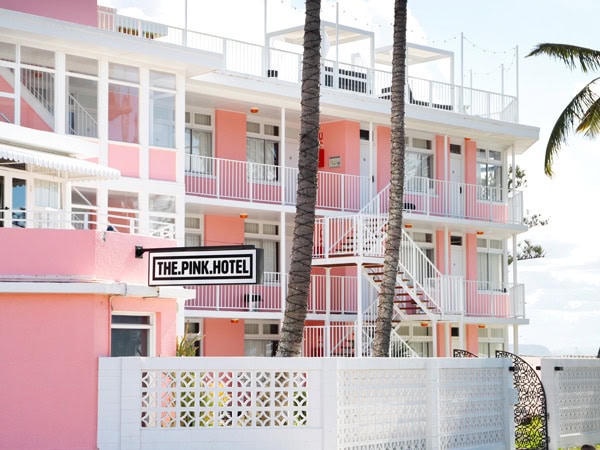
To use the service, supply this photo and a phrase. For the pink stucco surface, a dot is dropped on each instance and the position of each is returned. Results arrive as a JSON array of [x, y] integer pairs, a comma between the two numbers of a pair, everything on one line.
[[50, 343], [83, 253], [162, 165], [230, 135], [222, 337], [81, 11], [125, 158], [49, 348]]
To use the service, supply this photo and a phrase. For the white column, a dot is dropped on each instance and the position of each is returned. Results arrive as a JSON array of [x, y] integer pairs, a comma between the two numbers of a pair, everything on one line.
[[326, 333], [60, 97], [515, 339], [282, 218], [358, 336]]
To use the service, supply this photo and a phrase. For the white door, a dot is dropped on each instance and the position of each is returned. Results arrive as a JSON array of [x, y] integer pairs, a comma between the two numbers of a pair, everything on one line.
[[457, 256], [456, 188]]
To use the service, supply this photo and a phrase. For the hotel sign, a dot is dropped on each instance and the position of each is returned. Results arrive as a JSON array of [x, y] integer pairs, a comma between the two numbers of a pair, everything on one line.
[[204, 265]]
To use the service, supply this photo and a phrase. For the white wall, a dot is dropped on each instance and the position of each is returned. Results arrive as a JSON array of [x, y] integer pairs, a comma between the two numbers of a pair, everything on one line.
[[305, 403]]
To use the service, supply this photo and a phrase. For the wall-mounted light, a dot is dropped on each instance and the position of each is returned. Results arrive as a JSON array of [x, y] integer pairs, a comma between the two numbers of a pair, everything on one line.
[[408, 225], [254, 110], [479, 233], [234, 320], [243, 215], [424, 324], [482, 326]]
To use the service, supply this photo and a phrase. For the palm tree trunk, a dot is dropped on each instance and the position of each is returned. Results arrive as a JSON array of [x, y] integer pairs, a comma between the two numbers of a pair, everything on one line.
[[292, 329], [385, 309]]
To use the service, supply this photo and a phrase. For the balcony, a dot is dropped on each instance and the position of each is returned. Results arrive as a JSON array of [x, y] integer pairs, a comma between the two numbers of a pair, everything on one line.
[[85, 217], [227, 179], [285, 65], [338, 296]]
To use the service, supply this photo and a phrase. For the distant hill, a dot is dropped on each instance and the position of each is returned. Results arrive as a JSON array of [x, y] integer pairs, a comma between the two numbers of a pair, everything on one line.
[[532, 350], [541, 350]]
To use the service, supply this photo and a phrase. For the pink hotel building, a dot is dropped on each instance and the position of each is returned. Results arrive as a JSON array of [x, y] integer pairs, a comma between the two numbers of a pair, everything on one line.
[[117, 132]]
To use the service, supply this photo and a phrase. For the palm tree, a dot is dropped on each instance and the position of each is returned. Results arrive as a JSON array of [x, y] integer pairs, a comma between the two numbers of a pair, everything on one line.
[[582, 113], [292, 329], [385, 309]]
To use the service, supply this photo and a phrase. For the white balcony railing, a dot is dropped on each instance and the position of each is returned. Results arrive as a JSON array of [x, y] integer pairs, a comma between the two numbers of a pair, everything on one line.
[[263, 183], [451, 199], [83, 217], [252, 59], [487, 299]]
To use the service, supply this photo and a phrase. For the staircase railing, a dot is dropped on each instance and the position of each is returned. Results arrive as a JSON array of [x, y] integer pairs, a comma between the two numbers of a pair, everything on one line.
[[81, 122]]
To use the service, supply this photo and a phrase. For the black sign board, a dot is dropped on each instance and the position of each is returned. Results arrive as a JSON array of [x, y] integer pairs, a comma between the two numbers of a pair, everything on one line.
[[185, 266]]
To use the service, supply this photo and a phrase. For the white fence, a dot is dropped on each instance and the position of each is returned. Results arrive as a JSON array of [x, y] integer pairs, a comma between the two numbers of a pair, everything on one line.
[[305, 403], [573, 401]]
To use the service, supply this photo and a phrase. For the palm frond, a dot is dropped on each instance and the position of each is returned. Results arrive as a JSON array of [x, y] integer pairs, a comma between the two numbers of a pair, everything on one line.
[[575, 112], [590, 122], [586, 59]]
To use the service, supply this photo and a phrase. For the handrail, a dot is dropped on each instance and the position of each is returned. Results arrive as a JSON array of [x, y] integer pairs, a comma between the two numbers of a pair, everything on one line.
[[453, 199], [83, 123]]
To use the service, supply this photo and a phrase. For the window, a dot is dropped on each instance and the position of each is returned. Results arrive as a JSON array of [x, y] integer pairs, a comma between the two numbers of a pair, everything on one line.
[[162, 215], [82, 96], [198, 144], [162, 109], [489, 175], [418, 164], [265, 236], [261, 338], [131, 335], [490, 264], [123, 103], [37, 82], [193, 231], [262, 153], [490, 340]]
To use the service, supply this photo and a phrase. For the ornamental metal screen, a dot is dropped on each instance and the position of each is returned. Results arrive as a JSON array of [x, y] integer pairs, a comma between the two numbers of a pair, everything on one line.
[[531, 413]]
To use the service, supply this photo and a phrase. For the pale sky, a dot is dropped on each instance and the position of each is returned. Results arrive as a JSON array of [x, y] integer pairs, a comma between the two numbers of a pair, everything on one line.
[[563, 289]]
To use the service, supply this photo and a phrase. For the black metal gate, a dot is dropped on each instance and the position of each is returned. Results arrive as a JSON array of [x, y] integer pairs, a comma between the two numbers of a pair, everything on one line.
[[531, 413]]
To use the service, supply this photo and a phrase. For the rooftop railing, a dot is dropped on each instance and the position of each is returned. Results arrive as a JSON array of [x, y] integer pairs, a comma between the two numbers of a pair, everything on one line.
[[253, 59]]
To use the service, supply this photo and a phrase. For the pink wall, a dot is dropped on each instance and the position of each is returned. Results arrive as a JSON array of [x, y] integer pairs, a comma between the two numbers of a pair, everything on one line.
[[441, 340], [440, 250], [78, 11], [163, 165], [222, 337], [472, 338], [471, 257], [470, 162], [440, 159], [384, 148], [223, 230], [50, 346], [230, 135], [125, 158], [91, 254], [342, 139]]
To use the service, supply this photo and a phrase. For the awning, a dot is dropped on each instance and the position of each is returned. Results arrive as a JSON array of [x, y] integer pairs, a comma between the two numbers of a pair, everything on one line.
[[67, 167]]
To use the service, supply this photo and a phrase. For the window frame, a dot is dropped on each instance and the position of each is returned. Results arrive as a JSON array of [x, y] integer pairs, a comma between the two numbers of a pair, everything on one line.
[[420, 182], [485, 191], [485, 282], [262, 172], [150, 326], [205, 162]]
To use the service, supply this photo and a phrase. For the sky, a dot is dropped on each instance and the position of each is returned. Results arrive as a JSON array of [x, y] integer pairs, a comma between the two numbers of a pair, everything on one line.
[[562, 289]]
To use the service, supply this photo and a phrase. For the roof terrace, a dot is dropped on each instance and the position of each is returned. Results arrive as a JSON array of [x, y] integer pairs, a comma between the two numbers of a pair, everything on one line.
[[342, 67]]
